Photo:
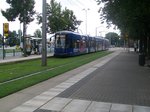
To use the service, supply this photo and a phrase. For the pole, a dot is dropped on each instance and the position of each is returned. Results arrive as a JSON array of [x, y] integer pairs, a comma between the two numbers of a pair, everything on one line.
[[3, 45], [24, 39], [96, 30], [86, 20], [5, 33], [20, 35], [44, 48], [24, 32]]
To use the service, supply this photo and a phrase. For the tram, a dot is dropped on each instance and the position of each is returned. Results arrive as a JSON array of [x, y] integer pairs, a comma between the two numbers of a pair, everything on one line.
[[68, 43]]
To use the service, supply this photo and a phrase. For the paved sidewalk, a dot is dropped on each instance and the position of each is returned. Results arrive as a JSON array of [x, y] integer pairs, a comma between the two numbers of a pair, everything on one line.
[[21, 58], [114, 83]]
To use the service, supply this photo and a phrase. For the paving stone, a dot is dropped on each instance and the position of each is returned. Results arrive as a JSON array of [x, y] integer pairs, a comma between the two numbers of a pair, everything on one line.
[[50, 93], [121, 108], [55, 89], [117, 81], [141, 109], [67, 85], [56, 104], [42, 110], [99, 107], [77, 106], [24, 108], [43, 97], [63, 86], [35, 102]]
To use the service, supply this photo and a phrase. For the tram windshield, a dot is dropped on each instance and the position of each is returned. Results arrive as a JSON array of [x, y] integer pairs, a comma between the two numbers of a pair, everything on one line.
[[60, 41]]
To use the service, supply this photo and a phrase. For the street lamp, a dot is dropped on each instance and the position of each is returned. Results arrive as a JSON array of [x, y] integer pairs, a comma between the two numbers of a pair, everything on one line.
[[86, 19], [96, 30], [78, 22]]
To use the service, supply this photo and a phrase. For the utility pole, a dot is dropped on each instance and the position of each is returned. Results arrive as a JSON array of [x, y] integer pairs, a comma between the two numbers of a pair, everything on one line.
[[86, 20], [24, 31], [5, 34], [78, 23], [44, 48], [96, 30], [24, 39]]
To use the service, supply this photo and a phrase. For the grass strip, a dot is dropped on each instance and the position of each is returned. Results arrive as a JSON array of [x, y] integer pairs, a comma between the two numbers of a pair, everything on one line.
[[20, 69], [15, 86]]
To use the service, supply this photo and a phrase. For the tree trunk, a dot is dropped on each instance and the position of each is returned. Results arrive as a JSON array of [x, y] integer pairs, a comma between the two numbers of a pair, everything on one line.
[[148, 47], [24, 40], [145, 46], [141, 52]]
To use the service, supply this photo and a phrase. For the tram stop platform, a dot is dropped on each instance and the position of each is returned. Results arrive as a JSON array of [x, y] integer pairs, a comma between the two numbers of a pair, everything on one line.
[[114, 83]]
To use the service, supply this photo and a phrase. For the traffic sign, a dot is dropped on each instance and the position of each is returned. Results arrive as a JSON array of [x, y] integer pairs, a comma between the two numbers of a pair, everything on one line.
[[6, 29]]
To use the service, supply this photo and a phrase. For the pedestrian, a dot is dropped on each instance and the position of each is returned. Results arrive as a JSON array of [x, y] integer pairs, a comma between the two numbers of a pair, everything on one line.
[[135, 47]]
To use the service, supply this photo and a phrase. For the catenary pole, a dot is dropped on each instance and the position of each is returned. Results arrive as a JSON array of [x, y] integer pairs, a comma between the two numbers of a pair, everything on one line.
[[44, 48], [24, 31], [86, 19]]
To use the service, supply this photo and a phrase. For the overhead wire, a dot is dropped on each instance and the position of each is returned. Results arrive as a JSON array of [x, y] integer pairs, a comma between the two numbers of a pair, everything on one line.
[[73, 3], [80, 3]]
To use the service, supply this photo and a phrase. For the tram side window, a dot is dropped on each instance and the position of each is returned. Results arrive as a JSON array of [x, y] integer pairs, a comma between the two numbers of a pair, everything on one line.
[[75, 44], [68, 43], [78, 43], [60, 42], [71, 43]]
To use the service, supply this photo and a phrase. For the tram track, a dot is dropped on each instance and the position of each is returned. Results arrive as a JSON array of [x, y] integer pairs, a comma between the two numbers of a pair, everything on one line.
[[43, 71]]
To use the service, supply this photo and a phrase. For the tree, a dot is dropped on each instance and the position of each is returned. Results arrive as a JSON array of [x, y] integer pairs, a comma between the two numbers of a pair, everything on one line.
[[69, 20], [58, 19], [131, 17], [20, 36], [113, 38], [24, 10], [12, 39], [38, 33]]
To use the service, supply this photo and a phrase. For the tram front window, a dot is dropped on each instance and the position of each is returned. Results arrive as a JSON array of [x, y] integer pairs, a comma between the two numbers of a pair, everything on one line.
[[60, 41]]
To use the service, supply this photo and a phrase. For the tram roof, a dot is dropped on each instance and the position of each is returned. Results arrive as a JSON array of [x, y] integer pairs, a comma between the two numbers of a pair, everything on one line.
[[67, 32]]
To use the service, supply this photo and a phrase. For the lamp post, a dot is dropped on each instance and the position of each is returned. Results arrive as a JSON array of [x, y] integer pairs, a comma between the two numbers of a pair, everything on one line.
[[78, 24], [96, 30], [86, 19]]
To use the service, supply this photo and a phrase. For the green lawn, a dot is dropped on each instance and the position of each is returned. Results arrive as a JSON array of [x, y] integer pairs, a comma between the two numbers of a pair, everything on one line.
[[55, 66], [12, 50]]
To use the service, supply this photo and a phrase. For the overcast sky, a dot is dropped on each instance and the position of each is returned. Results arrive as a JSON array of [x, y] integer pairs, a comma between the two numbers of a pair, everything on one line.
[[93, 21]]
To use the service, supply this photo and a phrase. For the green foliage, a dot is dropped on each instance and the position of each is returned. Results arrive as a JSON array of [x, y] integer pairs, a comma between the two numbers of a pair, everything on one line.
[[12, 39], [24, 10], [20, 32], [70, 21], [58, 19], [38, 33], [131, 16], [113, 38]]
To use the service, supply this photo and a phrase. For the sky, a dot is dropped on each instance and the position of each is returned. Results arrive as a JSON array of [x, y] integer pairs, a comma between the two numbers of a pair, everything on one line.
[[91, 22]]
